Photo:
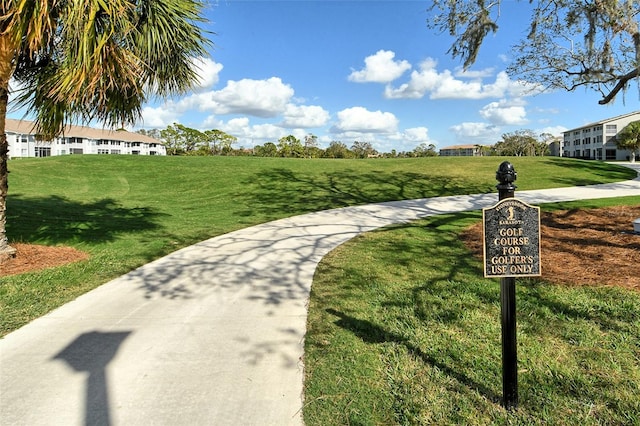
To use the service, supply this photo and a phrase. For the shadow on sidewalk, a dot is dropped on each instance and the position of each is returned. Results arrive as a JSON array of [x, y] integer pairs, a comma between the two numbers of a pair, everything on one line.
[[91, 353]]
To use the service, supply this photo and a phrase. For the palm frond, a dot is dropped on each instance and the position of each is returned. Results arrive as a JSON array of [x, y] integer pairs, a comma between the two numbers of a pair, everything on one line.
[[83, 60]]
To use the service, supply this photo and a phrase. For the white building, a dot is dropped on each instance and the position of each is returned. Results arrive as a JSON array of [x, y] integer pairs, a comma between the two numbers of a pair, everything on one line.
[[461, 151], [596, 141], [24, 142]]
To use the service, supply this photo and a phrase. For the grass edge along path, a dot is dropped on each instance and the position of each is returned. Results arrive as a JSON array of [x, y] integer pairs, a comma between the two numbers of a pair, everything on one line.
[[403, 329]]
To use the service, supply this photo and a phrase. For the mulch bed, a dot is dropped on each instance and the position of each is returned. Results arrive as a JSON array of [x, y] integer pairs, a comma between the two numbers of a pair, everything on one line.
[[31, 257], [584, 247]]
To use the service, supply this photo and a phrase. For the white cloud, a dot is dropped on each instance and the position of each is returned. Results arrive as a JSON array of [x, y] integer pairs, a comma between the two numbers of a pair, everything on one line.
[[450, 88], [361, 120], [472, 133], [207, 70], [415, 135], [250, 135], [552, 111], [304, 116], [444, 85], [259, 98], [241, 126], [235, 126], [421, 82], [505, 113], [380, 68], [210, 122], [461, 72], [554, 130], [266, 132], [159, 117]]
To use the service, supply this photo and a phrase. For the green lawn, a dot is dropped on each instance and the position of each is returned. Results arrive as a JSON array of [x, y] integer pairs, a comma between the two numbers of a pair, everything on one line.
[[403, 329], [128, 210]]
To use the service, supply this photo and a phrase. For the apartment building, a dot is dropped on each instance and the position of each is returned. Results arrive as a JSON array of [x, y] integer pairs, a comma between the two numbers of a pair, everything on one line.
[[461, 151], [596, 141], [24, 142]]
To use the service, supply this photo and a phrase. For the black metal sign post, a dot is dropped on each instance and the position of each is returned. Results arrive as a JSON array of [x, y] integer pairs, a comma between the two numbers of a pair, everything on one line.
[[506, 175], [511, 249]]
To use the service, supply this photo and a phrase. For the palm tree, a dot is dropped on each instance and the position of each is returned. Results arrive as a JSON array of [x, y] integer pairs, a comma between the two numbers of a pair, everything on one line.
[[92, 60], [629, 138]]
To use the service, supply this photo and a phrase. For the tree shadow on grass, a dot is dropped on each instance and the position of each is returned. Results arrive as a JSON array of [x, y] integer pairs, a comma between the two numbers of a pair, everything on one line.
[[597, 168], [279, 190], [373, 333], [58, 220], [612, 310]]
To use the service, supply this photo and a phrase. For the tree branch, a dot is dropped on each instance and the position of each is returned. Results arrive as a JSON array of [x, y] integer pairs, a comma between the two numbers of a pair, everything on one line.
[[622, 83]]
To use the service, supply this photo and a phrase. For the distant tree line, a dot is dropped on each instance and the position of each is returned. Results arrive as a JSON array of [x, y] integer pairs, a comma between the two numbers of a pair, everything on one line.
[[519, 144], [181, 140]]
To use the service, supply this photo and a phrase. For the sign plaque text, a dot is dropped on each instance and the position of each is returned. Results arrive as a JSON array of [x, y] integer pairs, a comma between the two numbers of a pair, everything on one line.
[[511, 235]]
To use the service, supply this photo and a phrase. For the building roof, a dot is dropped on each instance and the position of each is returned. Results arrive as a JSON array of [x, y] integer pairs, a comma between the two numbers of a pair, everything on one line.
[[602, 122], [460, 147], [26, 127]]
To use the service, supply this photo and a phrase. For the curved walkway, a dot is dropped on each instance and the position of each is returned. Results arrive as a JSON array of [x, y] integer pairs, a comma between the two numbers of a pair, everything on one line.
[[209, 335]]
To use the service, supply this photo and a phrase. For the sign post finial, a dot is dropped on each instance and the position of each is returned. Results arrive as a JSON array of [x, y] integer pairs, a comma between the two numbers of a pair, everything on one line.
[[506, 175]]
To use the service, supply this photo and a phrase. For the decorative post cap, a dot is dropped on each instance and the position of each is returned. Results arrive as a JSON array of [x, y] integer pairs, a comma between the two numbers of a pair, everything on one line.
[[506, 174]]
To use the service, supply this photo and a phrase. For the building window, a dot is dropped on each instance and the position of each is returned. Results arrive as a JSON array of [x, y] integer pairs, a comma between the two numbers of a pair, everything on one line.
[[611, 154], [75, 151], [103, 151], [135, 152], [115, 151], [43, 151], [612, 128]]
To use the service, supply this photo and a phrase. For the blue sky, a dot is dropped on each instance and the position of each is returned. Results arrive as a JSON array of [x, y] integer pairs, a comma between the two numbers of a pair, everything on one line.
[[363, 70]]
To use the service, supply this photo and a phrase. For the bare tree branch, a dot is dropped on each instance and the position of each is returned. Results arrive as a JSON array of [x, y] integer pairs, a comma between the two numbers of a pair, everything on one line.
[[622, 83]]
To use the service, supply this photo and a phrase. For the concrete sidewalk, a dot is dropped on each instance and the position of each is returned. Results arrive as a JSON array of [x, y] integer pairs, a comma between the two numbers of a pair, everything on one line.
[[209, 335]]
